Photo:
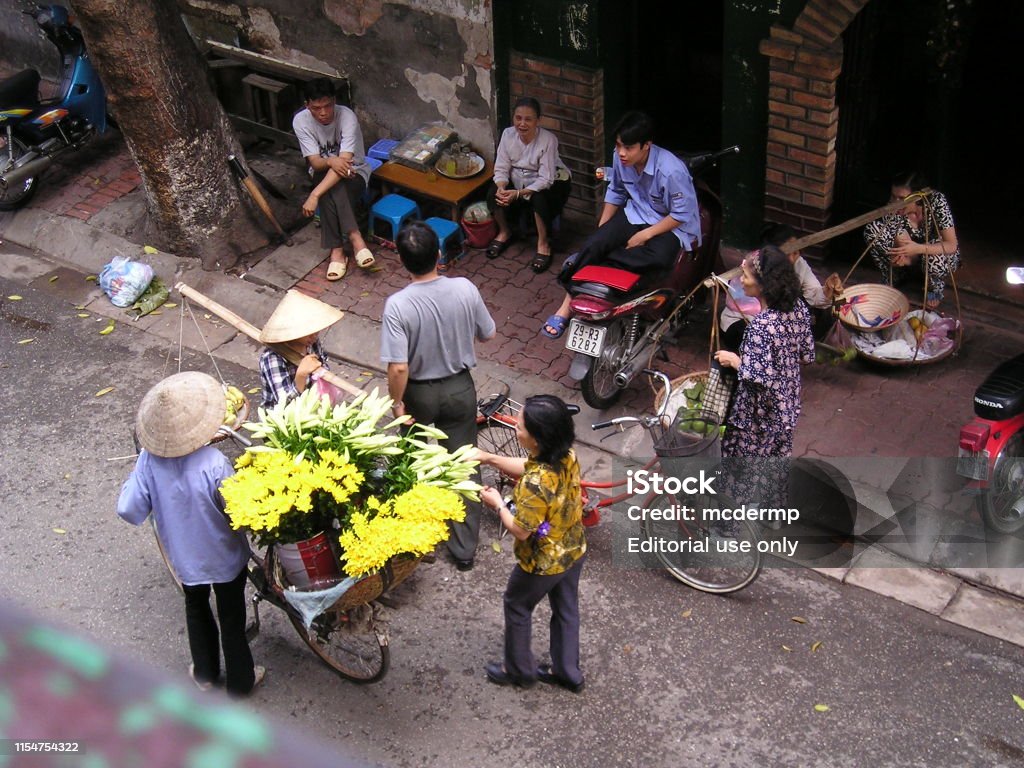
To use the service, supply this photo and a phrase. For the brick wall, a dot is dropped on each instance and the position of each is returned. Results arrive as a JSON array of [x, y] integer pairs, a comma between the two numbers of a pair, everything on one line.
[[572, 99], [803, 117]]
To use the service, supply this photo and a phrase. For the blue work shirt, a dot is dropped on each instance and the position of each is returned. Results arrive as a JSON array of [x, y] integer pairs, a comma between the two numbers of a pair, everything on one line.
[[665, 188], [184, 495]]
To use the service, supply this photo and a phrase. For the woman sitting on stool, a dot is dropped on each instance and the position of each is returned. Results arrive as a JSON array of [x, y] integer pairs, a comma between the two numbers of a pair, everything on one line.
[[528, 176]]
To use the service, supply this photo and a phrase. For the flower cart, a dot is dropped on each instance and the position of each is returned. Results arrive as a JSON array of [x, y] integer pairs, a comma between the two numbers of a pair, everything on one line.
[[345, 508]]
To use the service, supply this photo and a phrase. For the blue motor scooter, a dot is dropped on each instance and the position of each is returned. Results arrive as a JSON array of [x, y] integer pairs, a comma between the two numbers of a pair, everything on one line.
[[34, 132]]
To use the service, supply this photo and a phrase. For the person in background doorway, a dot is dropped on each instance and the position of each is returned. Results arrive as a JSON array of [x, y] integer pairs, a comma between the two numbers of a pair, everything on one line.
[[922, 233]]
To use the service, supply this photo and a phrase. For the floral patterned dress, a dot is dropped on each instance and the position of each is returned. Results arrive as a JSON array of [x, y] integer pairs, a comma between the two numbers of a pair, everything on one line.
[[881, 234], [766, 403]]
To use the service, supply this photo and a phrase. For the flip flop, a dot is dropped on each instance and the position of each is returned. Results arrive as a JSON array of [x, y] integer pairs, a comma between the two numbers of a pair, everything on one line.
[[364, 258], [337, 270], [541, 262], [497, 247], [557, 322]]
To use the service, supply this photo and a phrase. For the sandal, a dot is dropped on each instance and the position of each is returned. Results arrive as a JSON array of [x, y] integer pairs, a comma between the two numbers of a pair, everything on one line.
[[541, 262], [557, 322], [364, 258], [497, 247], [337, 270]]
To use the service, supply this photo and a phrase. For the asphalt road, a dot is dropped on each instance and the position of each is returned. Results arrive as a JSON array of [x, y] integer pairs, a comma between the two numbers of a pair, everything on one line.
[[674, 677]]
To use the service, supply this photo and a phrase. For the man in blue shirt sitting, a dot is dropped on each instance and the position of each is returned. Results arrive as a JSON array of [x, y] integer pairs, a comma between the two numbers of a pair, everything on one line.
[[650, 212]]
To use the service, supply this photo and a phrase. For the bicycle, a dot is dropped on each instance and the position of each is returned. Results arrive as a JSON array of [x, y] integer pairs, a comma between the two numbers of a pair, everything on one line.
[[711, 571], [347, 636]]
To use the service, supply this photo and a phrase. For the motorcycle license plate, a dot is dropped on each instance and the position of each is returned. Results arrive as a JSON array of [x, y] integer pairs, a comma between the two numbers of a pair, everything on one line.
[[585, 338], [972, 465]]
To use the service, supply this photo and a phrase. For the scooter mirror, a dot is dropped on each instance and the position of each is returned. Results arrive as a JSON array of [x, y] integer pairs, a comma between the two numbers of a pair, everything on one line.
[[1015, 275]]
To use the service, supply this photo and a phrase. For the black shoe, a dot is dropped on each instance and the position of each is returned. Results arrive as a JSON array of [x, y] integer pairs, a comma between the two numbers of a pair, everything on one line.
[[497, 675], [545, 675], [464, 565]]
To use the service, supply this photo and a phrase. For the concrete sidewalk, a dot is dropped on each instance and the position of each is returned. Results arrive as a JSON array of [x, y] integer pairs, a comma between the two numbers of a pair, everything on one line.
[[893, 414]]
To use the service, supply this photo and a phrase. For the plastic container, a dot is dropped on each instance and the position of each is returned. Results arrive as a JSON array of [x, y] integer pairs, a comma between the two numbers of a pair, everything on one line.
[[382, 149]]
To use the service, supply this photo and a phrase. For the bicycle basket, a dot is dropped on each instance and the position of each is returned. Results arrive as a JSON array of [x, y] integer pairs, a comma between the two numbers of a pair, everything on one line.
[[693, 432]]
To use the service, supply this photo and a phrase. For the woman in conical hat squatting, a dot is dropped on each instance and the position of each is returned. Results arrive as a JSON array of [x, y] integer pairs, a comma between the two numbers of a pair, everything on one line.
[[296, 324]]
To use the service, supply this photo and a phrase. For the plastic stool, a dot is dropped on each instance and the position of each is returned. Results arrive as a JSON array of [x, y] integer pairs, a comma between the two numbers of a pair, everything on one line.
[[446, 230], [374, 164], [394, 209]]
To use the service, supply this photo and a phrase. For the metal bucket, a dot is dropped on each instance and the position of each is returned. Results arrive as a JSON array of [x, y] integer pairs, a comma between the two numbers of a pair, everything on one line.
[[309, 564]]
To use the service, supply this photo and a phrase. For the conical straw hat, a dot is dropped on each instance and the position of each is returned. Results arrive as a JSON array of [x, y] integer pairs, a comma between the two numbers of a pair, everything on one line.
[[180, 414], [296, 316]]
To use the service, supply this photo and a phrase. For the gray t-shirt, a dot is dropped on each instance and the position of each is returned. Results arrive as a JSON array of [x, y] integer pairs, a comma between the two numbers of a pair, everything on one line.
[[341, 135], [432, 327]]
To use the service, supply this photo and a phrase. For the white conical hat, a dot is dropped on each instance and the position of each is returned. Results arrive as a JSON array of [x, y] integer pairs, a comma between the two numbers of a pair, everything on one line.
[[180, 414], [296, 316]]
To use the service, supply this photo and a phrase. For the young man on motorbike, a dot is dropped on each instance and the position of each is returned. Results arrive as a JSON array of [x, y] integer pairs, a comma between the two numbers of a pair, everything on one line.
[[650, 212]]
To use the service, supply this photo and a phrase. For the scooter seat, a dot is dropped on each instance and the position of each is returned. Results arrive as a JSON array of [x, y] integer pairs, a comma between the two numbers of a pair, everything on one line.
[[20, 90], [1001, 395], [619, 279]]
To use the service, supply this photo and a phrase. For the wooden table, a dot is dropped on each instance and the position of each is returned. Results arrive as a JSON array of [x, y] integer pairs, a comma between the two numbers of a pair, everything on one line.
[[451, 192]]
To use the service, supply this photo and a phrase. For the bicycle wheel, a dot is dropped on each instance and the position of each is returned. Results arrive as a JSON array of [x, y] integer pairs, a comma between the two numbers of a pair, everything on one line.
[[347, 642], [708, 556], [496, 437]]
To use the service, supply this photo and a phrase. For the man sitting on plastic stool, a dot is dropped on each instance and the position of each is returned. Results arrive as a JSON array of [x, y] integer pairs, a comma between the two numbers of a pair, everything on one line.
[[332, 143]]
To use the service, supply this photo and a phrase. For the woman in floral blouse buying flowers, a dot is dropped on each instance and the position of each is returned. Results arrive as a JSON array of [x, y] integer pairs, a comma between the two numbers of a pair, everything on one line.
[[766, 404], [546, 519]]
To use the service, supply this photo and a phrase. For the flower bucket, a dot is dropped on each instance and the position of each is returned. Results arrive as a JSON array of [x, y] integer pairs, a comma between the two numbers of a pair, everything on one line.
[[310, 564]]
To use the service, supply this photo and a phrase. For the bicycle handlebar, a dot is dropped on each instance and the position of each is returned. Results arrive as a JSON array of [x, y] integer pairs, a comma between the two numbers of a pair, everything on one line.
[[646, 421]]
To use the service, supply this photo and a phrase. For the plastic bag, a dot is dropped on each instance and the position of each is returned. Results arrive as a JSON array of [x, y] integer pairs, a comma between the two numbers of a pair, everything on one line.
[[325, 388], [154, 296], [124, 280]]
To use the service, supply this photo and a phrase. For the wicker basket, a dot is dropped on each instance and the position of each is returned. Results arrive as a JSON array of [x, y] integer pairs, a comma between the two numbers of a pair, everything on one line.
[[872, 306], [368, 588]]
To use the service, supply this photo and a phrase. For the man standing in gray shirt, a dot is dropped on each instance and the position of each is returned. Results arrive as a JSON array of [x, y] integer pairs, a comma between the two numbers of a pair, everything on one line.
[[427, 334]]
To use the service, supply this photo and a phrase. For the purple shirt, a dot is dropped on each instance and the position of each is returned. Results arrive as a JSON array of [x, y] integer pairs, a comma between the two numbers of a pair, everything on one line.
[[184, 495]]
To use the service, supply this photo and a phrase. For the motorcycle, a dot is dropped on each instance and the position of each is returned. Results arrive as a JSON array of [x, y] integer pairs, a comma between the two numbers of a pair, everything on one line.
[[991, 448], [34, 132], [621, 319]]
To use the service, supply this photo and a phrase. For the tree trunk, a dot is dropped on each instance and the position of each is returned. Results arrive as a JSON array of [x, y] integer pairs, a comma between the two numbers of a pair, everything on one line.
[[174, 126]]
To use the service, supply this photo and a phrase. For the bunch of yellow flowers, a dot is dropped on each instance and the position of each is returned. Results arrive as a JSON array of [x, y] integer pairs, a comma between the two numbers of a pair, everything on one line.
[[281, 498], [412, 523]]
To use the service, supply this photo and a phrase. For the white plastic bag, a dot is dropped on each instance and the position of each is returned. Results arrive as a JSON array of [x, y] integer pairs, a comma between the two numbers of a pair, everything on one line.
[[124, 280]]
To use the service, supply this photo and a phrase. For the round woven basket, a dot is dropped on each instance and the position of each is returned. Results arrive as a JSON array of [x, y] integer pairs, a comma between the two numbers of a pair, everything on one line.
[[872, 306]]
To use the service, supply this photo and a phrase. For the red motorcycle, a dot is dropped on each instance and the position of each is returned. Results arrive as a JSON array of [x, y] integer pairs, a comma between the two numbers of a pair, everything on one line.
[[992, 444], [621, 319]]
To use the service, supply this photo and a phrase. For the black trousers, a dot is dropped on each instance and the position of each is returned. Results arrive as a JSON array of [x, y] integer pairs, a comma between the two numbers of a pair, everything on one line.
[[450, 405], [203, 636], [547, 203], [607, 246], [337, 209], [522, 594]]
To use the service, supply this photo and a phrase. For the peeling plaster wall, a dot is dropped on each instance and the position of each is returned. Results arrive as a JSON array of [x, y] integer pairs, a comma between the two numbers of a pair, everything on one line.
[[409, 61]]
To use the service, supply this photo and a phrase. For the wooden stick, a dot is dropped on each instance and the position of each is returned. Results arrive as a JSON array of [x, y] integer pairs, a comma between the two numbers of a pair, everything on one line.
[[253, 333], [851, 224]]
